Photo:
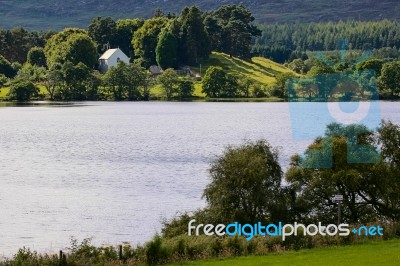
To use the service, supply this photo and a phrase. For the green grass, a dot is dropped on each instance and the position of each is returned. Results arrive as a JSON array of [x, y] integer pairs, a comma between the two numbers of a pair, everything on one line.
[[3, 93], [372, 253], [260, 70]]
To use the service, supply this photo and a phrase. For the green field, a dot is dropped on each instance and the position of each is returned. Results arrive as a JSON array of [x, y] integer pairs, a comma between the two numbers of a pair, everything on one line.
[[260, 70], [372, 253]]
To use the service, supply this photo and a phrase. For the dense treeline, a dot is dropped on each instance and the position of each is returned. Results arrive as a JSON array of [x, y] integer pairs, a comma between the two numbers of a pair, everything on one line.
[[278, 41], [65, 63], [15, 43]]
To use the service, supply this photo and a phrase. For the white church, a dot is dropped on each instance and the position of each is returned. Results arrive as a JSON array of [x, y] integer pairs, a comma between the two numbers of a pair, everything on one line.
[[111, 58]]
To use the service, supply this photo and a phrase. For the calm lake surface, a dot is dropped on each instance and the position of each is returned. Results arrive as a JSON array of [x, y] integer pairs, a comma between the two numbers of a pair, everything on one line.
[[114, 171]]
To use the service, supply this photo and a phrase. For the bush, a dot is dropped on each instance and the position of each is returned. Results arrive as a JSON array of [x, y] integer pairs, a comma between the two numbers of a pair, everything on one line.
[[22, 90]]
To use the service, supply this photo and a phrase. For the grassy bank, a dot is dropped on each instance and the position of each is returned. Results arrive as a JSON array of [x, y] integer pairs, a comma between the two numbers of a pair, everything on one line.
[[370, 253]]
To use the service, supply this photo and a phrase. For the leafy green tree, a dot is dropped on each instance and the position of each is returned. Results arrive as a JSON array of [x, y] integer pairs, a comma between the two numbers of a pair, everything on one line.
[[22, 90], [103, 31], [390, 77], [3, 80], [214, 81], [55, 45], [371, 64], [137, 78], [298, 66], [124, 34], [319, 68], [245, 183], [235, 28], [125, 81], [185, 88], [369, 187], [194, 38], [6, 68], [167, 50], [54, 80], [32, 73], [169, 81], [36, 57], [145, 40], [81, 49], [72, 45], [281, 80], [75, 80]]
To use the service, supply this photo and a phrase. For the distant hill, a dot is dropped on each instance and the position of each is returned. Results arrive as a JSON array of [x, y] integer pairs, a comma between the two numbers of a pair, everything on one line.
[[56, 14]]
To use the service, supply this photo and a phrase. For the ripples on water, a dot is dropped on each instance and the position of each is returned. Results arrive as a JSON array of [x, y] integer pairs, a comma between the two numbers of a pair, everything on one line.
[[113, 171]]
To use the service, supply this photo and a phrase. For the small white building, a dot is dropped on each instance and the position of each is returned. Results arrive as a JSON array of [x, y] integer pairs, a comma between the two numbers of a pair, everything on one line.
[[111, 58]]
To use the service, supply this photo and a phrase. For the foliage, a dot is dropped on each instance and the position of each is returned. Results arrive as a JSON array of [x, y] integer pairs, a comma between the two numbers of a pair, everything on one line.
[[390, 77], [281, 80], [185, 88], [145, 40], [369, 188], [283, 39], [125, 81], [6, 68], [219, 83], [15, 43], [245, 183], [125, 30], [3, 80], [167, 50], [36, 57], [102, 31], [230, 27], [73, 45], [194, 38], [169, 82], [22, 90]]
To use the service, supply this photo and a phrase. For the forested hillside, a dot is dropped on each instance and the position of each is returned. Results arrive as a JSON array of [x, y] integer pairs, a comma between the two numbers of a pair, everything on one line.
[[56, 14]]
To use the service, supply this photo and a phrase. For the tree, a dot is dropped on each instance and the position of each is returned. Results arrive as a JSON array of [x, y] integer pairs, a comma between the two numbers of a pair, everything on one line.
[[124, 81], [185, 88], [32, 73], [233, 26], [3, 80], [22, 90], [103, 31], [6, 68], [137, 78], [390, 77], [55, 45], [54, 80], [245, 182], [169, 83], [36, 57], [145, 40], [125, 30], [281, 80], [75, 80], [72, 45], [371, 64], [167, 50], [216, 82], [81, 49], [367, 181], [194, 38]]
